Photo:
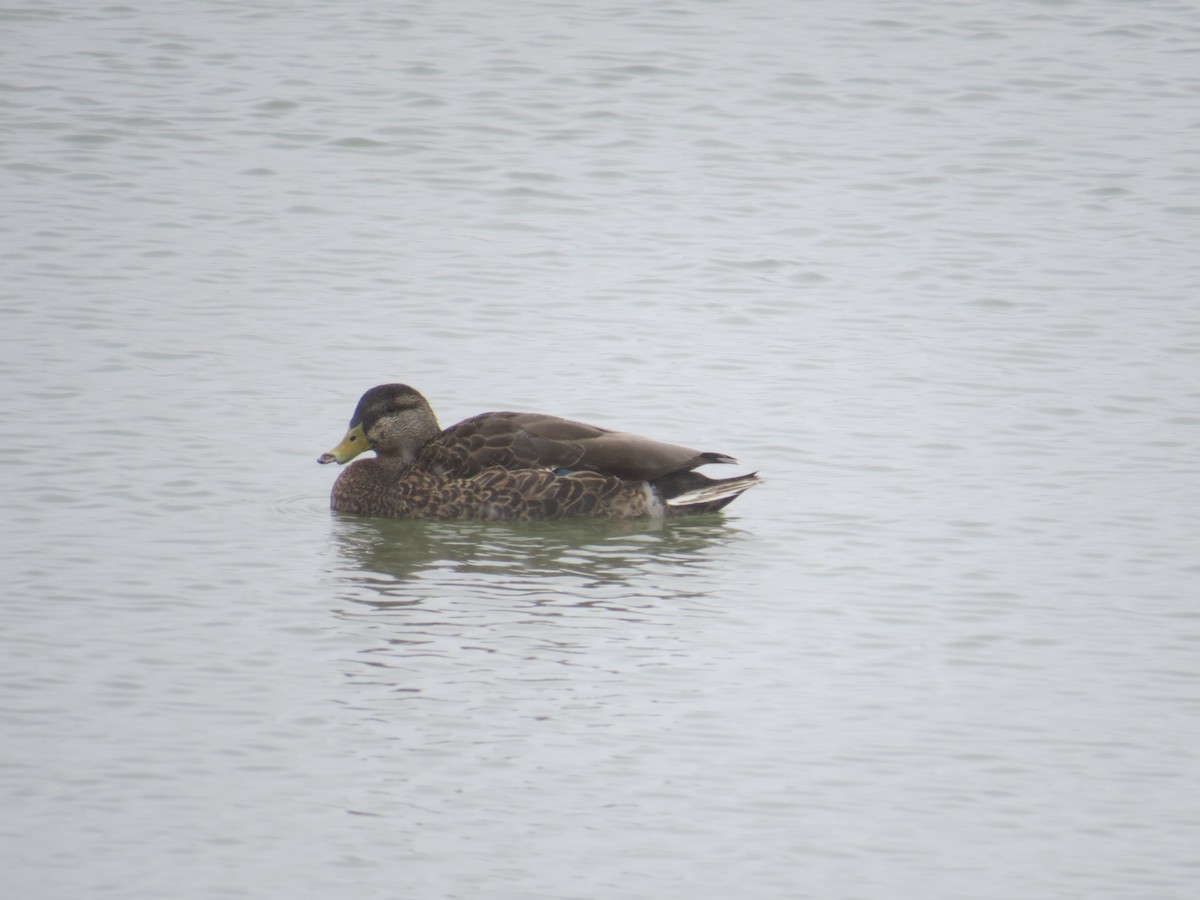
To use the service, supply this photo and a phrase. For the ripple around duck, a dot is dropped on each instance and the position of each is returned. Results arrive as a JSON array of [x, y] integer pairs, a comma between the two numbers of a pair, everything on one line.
[[422, 559], [300, 507]]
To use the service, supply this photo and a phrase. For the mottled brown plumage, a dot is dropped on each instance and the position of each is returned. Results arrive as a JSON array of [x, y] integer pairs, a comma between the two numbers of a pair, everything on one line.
[[507, 465], [524, 440]]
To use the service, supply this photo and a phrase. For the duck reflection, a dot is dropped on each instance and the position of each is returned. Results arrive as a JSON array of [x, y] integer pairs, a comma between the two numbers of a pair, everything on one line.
[[396, 562]]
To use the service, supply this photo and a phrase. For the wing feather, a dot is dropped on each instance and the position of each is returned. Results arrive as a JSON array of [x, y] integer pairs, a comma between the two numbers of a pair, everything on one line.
[[513, 440]]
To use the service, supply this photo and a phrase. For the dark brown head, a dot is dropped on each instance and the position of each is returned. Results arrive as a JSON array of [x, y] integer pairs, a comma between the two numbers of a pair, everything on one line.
[[392, 420]]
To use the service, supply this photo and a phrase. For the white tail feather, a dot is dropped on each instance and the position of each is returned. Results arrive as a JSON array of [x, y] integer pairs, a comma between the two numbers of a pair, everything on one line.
[[717, 491]]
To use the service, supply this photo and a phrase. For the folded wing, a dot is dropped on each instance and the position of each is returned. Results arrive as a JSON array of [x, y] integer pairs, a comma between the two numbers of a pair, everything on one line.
[[512, 440]]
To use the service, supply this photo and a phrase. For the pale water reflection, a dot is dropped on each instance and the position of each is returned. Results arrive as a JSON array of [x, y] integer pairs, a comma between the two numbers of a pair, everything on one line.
[[578, 562], [429, 600]]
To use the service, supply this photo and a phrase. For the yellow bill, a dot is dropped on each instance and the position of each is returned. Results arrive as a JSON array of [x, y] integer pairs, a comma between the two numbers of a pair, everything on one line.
[[354, 443]]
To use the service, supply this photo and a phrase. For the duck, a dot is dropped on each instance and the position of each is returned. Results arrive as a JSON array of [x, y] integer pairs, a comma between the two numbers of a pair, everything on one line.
[[513, 466]]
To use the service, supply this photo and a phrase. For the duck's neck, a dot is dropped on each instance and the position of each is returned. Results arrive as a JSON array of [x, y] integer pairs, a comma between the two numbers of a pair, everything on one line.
[[402, 439]]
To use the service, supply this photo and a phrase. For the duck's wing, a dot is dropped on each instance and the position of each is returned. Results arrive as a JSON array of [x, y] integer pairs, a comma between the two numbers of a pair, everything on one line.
[[513, 440]]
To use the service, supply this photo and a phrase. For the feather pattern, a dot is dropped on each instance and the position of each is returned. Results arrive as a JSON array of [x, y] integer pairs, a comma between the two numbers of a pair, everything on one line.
[[514, 466]]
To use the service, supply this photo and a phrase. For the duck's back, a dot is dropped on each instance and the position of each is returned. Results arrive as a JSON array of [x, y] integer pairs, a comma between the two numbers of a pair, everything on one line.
[[513, 440]]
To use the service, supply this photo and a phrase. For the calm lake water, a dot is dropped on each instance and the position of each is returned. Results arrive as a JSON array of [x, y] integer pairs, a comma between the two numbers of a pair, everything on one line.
[[931, 268]]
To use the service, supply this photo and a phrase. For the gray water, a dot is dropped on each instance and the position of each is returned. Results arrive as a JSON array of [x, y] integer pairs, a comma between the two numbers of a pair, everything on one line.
[[931, 268]]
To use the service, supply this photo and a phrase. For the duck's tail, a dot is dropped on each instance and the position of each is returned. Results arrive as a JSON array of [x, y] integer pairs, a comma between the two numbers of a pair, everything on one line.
[[690, 493]]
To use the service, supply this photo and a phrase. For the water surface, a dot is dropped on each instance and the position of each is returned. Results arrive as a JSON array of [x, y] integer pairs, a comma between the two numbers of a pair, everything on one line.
[[930, 268]]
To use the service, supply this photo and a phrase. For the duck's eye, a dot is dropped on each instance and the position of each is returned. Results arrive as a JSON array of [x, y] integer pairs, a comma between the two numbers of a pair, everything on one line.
[[353, 438]]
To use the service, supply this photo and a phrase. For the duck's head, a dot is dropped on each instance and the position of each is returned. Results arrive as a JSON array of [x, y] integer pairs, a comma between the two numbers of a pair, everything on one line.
[[392, 420]]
